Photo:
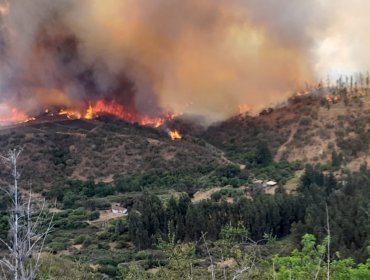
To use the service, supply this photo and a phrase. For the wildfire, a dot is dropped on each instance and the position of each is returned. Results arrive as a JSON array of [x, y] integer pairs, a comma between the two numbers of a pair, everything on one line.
[[89, 114], [92, 111], [15, 117], [117, 110], [70, 114], [331, 99], [174, 134], [310, 89], [156, 122], [111, 108], [243, 109], [302, 93]]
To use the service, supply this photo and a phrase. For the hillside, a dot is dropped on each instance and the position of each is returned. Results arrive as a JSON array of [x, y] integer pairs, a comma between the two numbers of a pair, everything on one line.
[[240, 135], [100, 149], [307, 129]]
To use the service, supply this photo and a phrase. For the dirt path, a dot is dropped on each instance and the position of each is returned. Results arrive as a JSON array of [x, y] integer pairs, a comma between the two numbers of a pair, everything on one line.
[[107, 215], [283, 147]]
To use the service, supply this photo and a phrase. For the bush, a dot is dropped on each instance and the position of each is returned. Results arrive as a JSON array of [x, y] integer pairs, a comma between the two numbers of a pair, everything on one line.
[[305, 121], [80, 239], [58, 246], [93, 215], [87, 242], [216, 196], [108, 270], [142, 255]]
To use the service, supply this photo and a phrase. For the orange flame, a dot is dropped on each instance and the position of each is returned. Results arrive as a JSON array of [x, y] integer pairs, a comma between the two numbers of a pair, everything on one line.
[[15, 117], [156, 122], [243, 109], [70, 114], [89, 114], [92, 111], [111, 108], [174, 135]]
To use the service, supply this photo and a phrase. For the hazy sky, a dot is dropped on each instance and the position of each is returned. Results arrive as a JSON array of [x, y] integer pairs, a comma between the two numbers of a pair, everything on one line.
[[343, 47]]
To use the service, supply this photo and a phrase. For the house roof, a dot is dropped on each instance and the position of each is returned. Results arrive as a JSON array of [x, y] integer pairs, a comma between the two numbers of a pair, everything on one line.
[[118, 207]]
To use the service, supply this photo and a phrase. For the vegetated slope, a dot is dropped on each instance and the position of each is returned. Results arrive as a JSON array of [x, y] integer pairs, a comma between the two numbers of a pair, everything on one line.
[[100, 149], [307, 129], [240, 136]]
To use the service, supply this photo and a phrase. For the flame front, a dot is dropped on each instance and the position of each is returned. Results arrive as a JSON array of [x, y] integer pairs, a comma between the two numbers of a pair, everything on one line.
[[174, 134], [70, 114], [118, 110], [89, 114], [14, 116], [93, 110]]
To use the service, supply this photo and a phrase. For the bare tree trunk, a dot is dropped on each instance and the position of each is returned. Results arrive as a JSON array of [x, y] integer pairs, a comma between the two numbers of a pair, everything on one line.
[[27, 237], [210, 258], [13, 160], [329, 237]]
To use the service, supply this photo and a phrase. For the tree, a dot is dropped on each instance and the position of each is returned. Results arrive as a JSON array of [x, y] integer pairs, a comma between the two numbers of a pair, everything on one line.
[[308, 263], [27, 235], [263, 154], [180, 257], [336, 159]]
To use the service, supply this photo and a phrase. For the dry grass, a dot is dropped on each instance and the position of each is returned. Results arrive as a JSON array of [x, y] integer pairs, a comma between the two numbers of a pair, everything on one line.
[[293, 183], [204, 195]]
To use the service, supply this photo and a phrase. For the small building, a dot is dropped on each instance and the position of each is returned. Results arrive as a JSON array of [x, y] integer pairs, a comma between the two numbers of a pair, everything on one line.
[[271, 184], [117, 209], [258, 182]]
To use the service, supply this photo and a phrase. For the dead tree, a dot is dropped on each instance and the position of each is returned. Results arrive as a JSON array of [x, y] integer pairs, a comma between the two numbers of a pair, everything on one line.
[[28, 229]]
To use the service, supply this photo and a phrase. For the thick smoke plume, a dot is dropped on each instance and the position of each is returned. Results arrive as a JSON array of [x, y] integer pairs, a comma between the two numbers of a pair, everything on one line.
[[196, 56]]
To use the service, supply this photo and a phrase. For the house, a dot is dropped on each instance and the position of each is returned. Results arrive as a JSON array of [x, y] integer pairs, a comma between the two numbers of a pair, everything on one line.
[[260, 182], [117, 209], [271, 184]]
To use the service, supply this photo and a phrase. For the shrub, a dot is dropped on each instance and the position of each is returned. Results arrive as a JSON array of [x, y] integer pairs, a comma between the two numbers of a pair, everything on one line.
[[305, 121], [87, 242], [80, 239], [93, 215]]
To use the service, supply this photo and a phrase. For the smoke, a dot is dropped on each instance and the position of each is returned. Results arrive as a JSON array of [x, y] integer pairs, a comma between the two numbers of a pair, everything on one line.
[[202, 57], [344, 44]]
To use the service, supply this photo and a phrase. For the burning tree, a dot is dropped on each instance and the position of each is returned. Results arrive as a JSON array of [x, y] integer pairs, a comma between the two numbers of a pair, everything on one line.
[[27, 232]]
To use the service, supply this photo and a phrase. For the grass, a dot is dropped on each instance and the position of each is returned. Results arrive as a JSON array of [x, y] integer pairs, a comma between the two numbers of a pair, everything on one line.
[[292, 184]]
